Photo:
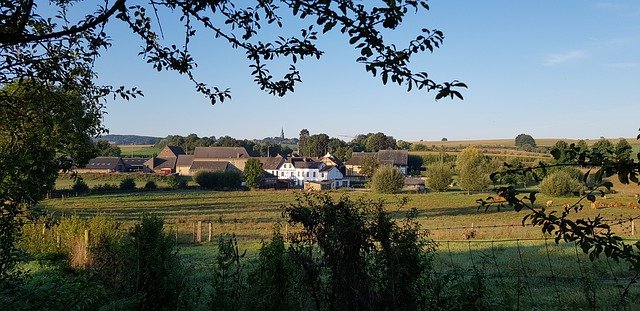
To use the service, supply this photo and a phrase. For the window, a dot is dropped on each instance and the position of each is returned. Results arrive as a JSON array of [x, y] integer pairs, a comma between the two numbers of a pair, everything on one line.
[[322, 175], [314, 174], [281, 173], [307, 174]]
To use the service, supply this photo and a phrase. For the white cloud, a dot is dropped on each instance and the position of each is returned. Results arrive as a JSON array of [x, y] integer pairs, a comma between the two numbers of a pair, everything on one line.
[[561, 58]]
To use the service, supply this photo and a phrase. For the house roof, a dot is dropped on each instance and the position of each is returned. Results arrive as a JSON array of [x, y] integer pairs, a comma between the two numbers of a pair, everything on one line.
[[358, 157], [221, 152], [396, 157], [388, 157], [333, 160], [209, 165], [304, 162], [184, 160], [162, 162], [107, 163], [271, 163], [171, 151], [134, 161]]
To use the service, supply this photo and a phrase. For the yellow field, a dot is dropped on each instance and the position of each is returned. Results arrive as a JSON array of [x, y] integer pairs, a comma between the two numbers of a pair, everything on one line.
[[510, 142]]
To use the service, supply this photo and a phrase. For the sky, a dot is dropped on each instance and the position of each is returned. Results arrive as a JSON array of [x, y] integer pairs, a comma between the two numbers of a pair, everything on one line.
[[548, 68]]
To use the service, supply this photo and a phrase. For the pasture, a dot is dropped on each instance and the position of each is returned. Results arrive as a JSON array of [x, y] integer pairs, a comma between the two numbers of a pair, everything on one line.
[[145, 151], [517, 261]]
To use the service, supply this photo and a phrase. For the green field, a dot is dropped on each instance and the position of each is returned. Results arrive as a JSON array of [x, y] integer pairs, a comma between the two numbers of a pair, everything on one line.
[[517, 261], [144, 151]]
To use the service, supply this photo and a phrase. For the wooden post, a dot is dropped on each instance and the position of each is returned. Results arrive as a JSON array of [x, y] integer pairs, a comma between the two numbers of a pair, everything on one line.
[[176, 231], [86, 245], [210, 231], [199, 232], [286, 230], [633, 227], [58, 238], [194, 233]]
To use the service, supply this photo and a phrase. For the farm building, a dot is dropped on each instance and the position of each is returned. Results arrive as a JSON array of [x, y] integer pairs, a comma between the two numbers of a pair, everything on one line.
[[103, 165], [396, 158], [165, 162], [136, 165]]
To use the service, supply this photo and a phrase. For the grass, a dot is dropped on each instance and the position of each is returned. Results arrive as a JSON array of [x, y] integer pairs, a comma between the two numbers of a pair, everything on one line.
[[144, 151], [510, 142]]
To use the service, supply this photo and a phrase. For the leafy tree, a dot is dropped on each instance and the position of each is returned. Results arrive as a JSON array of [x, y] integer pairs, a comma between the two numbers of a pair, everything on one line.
[[444, 139], [582, 145], [623, 149], [105, 149], [45, 129], [303, 142], [369, 166], [403, 145], [379, 141], [560, 183], [387, 179], [558, 152], [523, 140], [253, 173], [473, 170], [603, 146], [79, 186], [316, 145], [439, 176], [26, 25]]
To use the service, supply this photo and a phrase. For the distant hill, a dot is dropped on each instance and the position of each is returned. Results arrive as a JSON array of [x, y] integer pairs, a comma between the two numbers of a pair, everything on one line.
[[130, 139]]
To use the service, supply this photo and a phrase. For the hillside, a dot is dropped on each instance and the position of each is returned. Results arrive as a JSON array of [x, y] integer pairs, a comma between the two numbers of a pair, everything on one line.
[[510, 142], [130, 139]]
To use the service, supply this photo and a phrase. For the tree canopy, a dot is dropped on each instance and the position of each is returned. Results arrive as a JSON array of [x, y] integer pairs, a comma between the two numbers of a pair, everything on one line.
[[523, 140], [47, 43]]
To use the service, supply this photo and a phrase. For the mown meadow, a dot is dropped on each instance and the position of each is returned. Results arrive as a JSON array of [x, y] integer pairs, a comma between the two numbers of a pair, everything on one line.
[[521, 266]]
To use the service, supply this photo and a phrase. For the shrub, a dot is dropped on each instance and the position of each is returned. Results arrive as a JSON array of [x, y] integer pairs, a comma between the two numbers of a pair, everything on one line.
[[128, 184], [104, 187], [560, 183], [439, 176], [79, 186], [387, 180], [150, 185], [175, 182], [218, 180]]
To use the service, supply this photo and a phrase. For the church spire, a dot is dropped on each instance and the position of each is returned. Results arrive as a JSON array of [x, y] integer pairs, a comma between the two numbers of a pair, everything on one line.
[[282, 133]]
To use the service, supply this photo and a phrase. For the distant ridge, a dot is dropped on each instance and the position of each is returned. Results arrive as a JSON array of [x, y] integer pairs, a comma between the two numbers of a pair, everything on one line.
[[130, 139]]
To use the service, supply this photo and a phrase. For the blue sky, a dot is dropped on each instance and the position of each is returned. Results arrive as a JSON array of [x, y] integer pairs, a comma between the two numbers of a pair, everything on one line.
[[567, 69]]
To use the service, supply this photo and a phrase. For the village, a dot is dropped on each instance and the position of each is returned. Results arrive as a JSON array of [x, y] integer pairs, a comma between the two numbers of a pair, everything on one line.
[[290, 171]]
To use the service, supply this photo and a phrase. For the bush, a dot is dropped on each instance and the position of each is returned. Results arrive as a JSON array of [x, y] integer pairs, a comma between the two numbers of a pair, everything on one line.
[[79, 186], [150, 185], [387, 180], [175, 182], [128, 184], [560, 183], [218, 180], [439, 176], [104, 187]]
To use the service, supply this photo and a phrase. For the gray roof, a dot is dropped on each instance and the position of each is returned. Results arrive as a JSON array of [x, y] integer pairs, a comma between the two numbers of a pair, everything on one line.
[[395, 157], [209, 166], [358, 157], [171, 151], [271, 163], [106, 163], [304, 162], [161, 162], [184, 160], [388, 157], [220, 153], [134, 161]]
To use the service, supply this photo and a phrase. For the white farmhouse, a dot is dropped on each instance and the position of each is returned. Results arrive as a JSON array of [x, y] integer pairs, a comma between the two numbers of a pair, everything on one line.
[[298, 170]]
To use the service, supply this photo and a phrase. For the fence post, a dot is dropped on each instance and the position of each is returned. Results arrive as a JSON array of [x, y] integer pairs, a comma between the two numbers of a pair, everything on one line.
[[177, 231], [199, 231], [210, 231], [58, 238], [86, 245], [193, 231], [633, 227]]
